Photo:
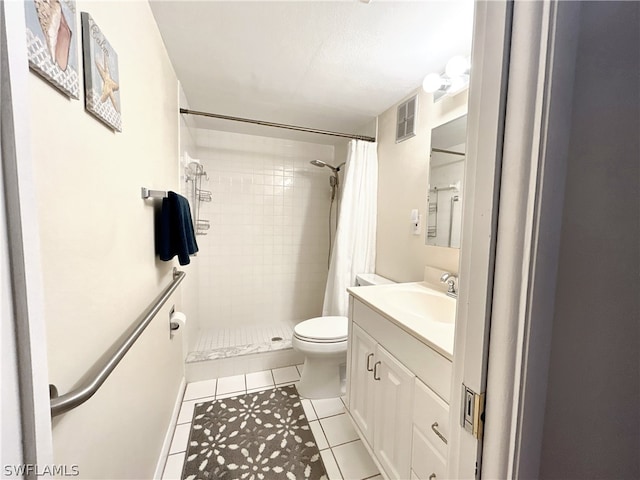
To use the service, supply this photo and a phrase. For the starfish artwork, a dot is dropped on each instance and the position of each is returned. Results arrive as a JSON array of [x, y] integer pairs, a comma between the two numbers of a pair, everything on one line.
[[109, 85], [101, 80]]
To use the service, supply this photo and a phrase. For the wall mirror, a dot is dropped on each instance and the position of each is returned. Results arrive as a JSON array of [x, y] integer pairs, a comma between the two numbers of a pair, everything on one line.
[[446, 177]]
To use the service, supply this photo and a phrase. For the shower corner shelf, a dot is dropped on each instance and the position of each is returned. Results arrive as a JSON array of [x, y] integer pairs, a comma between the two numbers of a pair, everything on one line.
[[194, 172]]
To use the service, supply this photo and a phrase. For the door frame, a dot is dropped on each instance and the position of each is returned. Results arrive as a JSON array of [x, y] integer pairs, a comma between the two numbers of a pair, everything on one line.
[[23, 241], [485, 130], [508, 269], [11, 435]]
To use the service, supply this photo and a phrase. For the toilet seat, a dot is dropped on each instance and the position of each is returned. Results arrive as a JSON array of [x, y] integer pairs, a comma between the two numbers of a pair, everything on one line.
[[330, 329]]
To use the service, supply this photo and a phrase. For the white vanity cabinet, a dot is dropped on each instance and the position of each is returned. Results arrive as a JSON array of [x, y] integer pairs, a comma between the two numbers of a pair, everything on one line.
[[392, 414], [381, 389], [391, 399], [361, 391]]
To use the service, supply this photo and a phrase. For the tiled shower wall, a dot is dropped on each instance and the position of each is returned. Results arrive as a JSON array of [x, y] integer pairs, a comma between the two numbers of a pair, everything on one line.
[[264, 259]]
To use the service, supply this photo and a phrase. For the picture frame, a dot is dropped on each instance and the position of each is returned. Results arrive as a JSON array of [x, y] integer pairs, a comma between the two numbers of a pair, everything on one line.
[[101, 79], [52, 48]]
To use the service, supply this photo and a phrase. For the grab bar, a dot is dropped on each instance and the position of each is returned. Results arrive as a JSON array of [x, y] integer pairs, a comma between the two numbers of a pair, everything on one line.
[[76, 397]]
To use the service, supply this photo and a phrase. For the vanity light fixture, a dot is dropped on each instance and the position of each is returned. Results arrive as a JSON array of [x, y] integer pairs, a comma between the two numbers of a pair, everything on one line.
[[454, 79]]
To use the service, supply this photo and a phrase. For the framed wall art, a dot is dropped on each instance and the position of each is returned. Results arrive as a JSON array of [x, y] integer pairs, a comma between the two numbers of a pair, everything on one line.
[[101, 80], [52, 46]]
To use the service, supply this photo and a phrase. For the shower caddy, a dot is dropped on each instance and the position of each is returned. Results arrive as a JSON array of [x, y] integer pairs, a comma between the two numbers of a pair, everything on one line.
[[194, 172]]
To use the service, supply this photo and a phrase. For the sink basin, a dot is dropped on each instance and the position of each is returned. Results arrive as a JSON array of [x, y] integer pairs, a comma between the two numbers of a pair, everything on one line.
[[424, 312], [423, 303]]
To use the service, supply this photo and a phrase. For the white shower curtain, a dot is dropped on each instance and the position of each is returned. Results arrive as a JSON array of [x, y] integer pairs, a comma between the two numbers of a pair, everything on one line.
[[355, 241]]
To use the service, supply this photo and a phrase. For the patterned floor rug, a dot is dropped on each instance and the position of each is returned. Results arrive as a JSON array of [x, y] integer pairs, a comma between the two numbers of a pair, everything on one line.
[[257, 436]]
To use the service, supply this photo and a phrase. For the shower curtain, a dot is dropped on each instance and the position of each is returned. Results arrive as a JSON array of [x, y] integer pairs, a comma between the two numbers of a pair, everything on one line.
[[355, 241]]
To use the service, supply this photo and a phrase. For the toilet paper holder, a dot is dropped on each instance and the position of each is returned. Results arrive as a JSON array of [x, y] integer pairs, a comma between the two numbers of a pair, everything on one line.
[[173, 324]]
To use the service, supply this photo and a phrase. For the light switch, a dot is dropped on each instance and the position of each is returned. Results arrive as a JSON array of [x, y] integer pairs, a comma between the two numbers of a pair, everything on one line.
[[416, 222]]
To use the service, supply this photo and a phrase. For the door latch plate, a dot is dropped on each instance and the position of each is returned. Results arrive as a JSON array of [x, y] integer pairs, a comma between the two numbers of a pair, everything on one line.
[[472, 411]]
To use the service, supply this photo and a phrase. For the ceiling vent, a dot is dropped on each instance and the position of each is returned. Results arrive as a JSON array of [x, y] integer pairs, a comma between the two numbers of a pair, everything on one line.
[[406, 124]]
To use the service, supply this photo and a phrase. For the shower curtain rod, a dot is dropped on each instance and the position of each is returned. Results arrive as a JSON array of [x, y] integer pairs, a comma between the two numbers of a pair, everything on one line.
[[450, 152], [278, 125]]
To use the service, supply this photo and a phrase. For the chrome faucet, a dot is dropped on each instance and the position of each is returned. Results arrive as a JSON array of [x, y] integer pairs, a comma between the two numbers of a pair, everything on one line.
[[452, 281]]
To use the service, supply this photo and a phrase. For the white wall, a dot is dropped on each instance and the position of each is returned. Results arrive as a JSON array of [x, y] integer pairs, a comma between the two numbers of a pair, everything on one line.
[[592, 425], [402, 186], [264, 259], [341, 151], [97, 235]]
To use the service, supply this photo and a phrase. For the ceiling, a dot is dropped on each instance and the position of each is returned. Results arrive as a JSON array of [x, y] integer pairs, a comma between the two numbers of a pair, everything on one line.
[[332, 65]]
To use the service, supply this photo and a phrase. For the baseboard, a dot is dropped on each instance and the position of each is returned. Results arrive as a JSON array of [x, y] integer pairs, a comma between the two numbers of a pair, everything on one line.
[[168, 437]]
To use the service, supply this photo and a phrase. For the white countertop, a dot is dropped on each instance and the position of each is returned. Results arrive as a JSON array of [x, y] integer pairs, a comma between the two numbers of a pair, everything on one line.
[[423, 312]]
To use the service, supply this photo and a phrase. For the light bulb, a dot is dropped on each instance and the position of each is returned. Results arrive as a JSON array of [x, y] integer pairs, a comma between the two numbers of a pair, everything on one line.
[[456, 67], [432, 83]]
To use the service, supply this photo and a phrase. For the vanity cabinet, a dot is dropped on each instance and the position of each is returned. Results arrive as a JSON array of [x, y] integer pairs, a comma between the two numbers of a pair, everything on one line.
[[392, 414], [392, 384], [380, 402], [361, 392]]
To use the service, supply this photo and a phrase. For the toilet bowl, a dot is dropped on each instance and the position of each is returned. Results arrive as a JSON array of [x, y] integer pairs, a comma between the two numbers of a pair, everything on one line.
[[323, 341]]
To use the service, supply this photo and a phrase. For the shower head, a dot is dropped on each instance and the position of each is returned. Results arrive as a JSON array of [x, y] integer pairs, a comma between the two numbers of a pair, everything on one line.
[[320, 163]]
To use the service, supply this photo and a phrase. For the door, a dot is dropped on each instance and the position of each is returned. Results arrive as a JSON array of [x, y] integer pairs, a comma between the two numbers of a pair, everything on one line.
[[11, 439], [527, 45], [362, 384], [23, 332], [393, 414]]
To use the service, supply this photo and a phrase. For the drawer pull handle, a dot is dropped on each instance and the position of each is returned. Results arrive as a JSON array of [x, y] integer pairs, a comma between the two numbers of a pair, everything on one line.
[[369, 367], [375, 371], [432, 476], [434, 427]]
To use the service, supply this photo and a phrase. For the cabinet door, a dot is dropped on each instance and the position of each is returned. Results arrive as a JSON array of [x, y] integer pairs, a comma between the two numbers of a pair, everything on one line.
[[393, 402], [361, 384]]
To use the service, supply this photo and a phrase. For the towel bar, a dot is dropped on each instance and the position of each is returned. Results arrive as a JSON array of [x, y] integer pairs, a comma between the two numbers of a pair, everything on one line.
[[148, 193]]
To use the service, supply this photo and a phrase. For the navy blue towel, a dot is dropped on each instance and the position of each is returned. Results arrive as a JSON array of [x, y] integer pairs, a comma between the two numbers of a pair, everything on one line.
[[176, 235]]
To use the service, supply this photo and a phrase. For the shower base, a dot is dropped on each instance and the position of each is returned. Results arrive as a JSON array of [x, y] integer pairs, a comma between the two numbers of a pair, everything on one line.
[[221, 352]]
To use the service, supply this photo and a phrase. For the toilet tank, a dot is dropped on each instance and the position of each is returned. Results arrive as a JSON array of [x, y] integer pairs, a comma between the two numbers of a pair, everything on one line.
[[363, 279]]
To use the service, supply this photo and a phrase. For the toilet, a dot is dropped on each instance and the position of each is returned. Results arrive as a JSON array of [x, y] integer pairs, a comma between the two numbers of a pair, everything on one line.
[[323, 341]]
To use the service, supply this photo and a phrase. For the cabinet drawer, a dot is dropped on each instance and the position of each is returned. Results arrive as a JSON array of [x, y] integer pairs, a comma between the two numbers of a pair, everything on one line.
[[426, 462], [431, 414]]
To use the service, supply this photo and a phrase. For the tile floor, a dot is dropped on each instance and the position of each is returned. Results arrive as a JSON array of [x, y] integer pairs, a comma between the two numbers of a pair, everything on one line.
[[343, 453]]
